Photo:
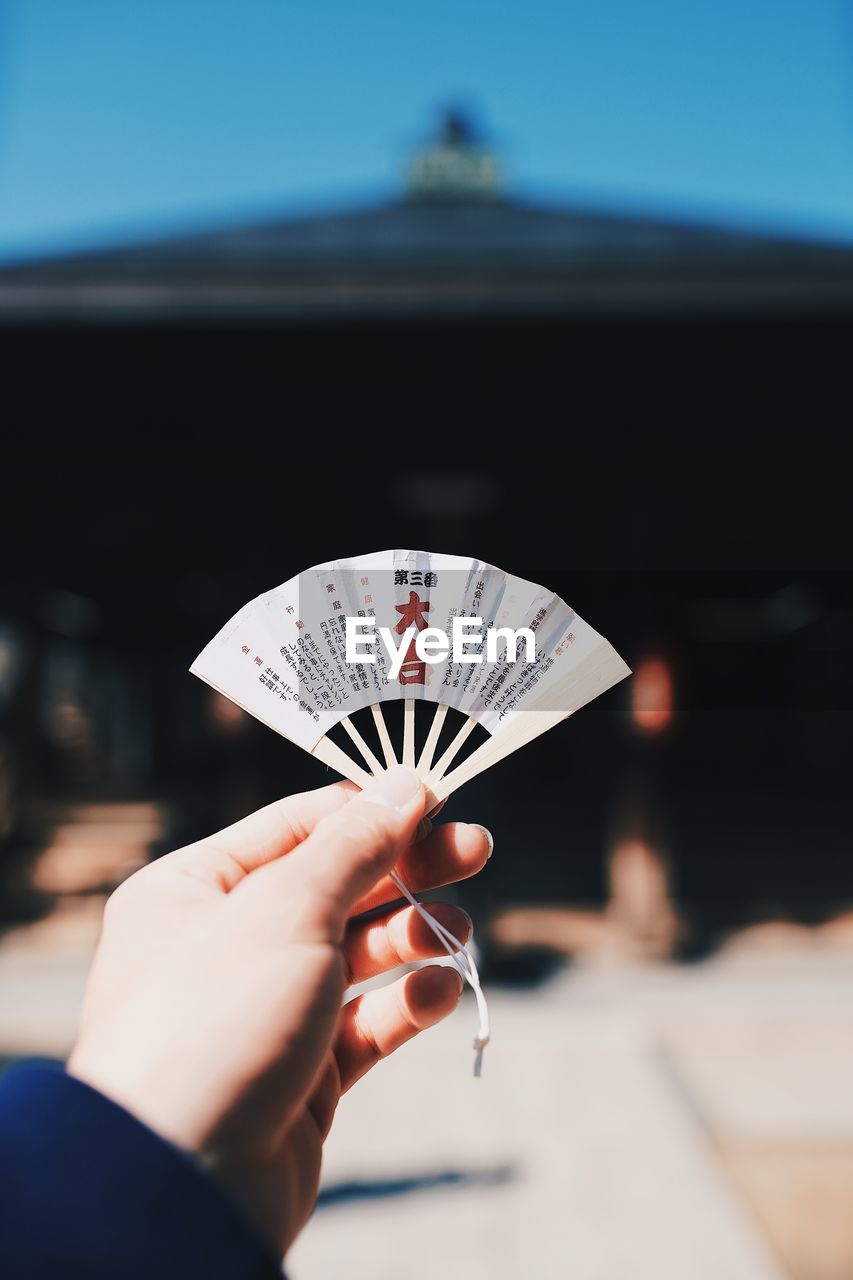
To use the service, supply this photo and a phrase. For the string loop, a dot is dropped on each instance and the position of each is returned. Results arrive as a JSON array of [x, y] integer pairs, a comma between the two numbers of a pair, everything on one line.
[[464, 964]]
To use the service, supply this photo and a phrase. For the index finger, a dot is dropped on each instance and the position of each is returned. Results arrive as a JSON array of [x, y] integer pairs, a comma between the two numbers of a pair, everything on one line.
[[227, 856], [348, 851]]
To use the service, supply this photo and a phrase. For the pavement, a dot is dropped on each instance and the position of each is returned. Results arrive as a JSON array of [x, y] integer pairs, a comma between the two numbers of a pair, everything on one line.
[[666, 1122], [590, 1149]]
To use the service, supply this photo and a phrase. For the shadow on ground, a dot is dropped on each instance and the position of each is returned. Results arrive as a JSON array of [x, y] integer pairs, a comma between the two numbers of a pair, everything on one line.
[[383, 1188]]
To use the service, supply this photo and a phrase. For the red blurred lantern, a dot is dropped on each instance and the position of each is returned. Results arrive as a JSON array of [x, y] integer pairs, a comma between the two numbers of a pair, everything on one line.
[[652, 695]]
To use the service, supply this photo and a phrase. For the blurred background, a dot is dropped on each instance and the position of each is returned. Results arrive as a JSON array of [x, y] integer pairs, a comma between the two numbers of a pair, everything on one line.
[[566, 288]]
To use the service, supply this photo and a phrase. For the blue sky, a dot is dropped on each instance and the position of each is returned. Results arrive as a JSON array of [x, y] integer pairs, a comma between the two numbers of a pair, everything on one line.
[[120, 118]]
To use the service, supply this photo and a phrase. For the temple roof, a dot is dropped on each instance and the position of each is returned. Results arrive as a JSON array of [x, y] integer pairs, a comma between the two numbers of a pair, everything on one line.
[[453, 242], [424, 231]]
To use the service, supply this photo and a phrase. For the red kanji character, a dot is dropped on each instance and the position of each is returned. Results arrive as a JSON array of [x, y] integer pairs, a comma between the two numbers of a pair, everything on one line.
[[413, 614], [412, 671]]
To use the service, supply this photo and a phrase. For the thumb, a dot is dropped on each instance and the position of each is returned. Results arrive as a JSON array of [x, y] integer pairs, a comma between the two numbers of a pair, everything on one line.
[[348, 851]]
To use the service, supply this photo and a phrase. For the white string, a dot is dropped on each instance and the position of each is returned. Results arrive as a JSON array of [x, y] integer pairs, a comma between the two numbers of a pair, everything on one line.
[[464, 964], [462, 959]]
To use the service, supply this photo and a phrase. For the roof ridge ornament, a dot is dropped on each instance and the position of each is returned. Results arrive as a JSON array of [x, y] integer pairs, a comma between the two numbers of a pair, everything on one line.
[[455, 165]]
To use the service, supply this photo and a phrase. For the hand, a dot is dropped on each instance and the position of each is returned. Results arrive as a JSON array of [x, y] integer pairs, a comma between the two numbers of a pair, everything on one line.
[[213, 1010]]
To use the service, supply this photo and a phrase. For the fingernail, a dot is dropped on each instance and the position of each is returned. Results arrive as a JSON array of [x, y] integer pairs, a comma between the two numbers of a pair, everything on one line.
[[489, 838], [439, 909], [396, 789], [422, 830]]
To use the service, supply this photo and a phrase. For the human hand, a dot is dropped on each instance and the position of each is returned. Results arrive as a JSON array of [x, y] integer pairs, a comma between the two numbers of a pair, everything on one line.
[[213, 1010]]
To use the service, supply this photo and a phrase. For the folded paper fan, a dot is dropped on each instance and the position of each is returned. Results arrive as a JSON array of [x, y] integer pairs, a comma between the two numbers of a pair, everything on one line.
[[484, 647]]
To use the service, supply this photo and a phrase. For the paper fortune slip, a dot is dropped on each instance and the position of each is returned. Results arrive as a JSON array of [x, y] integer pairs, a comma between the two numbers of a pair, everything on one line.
[[417, 626]]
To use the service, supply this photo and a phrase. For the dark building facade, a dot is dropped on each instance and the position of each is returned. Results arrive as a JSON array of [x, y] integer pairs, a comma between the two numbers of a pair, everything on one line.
[[647, 416]]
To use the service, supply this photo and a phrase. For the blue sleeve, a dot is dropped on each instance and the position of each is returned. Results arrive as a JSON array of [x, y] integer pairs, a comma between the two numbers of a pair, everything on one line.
[[87, 1190]]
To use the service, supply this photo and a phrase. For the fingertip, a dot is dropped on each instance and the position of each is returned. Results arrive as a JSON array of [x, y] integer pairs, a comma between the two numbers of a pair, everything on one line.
[[487, 836], [432, 993], [398, 788], [455, 919], [477, 843]]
